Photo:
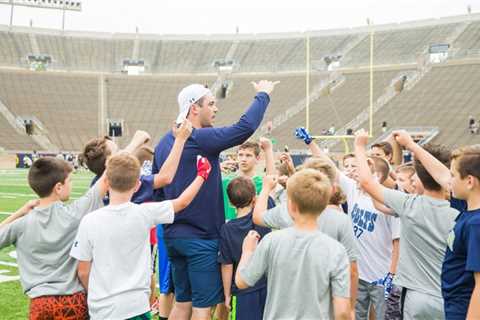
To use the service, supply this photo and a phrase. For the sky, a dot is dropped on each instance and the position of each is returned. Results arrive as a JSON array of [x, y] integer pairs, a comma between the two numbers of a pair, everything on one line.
[[224, 16]]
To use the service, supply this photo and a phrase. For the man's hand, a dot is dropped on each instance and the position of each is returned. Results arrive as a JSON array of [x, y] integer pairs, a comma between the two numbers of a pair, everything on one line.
[[250, 242], [184, 131], [269, 182], [265, 86], [361, 138], [203, 167], [265, 144], [403, 138], [287, 159]]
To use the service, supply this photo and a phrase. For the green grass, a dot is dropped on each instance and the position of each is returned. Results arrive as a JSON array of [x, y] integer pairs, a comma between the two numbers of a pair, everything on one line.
[[14, 192]]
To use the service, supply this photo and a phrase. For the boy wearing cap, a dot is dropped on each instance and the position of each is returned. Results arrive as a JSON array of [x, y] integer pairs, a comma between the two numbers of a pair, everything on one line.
[[192, 240]]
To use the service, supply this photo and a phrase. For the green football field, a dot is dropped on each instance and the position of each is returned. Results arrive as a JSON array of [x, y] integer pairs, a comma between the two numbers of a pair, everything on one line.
[[14, 192]]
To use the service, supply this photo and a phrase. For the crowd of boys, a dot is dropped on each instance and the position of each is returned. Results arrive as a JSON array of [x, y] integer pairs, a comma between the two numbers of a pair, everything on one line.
[[380, 238]]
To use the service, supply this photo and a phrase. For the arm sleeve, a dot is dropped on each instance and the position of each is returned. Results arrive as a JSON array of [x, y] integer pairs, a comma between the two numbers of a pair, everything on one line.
[[224, 254], [257, 266], [460, 205], [145, 192], [340, 276], [82, 246], [10, 232], [90, 201], [473, 248], [278, 217], [158, 212], [215, 140], [396, 200], [347, 239]]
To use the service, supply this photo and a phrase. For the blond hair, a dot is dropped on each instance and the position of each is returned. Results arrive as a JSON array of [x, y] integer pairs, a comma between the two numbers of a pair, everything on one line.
[[310, 190], [123, 172]]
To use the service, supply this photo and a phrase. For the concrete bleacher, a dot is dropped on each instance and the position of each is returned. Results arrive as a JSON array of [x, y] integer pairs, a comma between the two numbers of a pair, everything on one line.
[[444, 98], [12, 140], [66, 105], [468, 43]]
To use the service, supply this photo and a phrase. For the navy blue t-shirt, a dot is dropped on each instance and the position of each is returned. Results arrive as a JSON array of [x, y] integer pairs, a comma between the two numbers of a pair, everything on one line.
[[143, 194], [231, 239], [462, 260], [204, 217]]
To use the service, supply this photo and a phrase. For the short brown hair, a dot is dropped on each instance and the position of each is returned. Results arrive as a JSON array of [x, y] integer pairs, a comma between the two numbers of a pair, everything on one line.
[[250, 145], [381, 166], [385, 146], [325, 167], [241, 192], [94, 155], [144, 153], [45, 173], [467, 161], [442, 154], [310, 190], [123, 172]]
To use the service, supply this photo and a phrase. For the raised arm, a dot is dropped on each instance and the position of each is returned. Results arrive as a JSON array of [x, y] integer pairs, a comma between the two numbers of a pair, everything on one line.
[[261, 204], [435, 168], [267, 147], [169, 168], [187, 196], [27, 207], [215, 140], [365, 177], [139, 138]]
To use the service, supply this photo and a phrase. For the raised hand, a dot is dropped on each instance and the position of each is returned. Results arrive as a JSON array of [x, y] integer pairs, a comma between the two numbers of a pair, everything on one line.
[[265, 86], [184, 131], [302, 134], [403, 138], [141, 137], [203, 167], [250, 242], [361, 138], [265, 143], [270, 182]]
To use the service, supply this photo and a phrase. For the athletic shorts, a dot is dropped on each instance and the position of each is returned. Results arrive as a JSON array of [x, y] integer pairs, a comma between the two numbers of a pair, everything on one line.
[[145, 316], [66, 307], [249, 306], [195, 271], [165, 281]]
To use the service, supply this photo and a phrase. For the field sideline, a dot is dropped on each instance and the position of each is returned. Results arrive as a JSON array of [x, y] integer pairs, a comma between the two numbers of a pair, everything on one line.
[[14, 192]]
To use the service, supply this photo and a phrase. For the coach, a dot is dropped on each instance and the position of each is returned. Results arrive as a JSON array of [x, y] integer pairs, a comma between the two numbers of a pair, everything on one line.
[[192, 240]]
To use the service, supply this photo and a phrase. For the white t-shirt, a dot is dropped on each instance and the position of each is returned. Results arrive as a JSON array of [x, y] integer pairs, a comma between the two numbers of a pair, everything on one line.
[[373, 230], [116, 239]]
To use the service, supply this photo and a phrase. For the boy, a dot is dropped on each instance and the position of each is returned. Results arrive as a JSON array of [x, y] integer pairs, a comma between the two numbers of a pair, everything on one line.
[[248, 155], [250, 303], [405, 174], [44, 237], [305, 267], [112, 244], [461, 265], [426, 221]]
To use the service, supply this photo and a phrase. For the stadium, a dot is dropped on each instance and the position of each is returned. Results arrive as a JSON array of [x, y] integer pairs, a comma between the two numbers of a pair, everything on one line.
[[59, 89]]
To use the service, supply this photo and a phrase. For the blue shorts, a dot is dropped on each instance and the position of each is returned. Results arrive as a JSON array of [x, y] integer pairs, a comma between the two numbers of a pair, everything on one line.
[[195, 271], [250, 306], [165, 282]]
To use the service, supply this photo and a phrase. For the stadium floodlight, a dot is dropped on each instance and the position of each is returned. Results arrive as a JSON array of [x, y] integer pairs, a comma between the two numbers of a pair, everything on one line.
[[64, 5]]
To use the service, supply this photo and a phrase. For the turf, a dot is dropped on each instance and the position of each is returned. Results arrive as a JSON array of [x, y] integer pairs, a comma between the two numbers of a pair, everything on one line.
[[14, 192]]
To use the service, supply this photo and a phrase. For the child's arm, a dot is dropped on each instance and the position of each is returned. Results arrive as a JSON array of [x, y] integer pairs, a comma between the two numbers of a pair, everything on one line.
[[365, 177], [248, 248], [474, 307], [261, 204], [266, 145], [341, 308], [435, 168], [20, 212], [353, 283], [227, 276], [139, 138], [83, 272], [169, 168], [203, 170], [340, 285]]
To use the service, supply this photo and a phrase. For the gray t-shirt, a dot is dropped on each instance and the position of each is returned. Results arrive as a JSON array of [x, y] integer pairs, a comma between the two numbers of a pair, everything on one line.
[[426, 223], [304, 271], [43, 239], [333, 223]]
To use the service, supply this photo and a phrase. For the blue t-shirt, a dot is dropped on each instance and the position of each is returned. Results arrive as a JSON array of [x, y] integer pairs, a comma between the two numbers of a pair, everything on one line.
[[204, 217], [462, 260], [231, 240], [144, 193]]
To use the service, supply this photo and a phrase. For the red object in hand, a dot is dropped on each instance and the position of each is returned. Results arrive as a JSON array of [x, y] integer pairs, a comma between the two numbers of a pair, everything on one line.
[[203, 167]]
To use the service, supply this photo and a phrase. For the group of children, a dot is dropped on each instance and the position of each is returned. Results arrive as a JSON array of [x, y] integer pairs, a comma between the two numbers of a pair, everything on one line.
[[305, 242]]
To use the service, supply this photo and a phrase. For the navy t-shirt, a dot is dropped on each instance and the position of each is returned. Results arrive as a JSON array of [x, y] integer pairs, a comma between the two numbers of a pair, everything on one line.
[[204, 217], [462, 260], [144, 193], [231, 240]]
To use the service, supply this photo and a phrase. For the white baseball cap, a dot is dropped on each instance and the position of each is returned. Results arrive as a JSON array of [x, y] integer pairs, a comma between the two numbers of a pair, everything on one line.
[[188, 96]]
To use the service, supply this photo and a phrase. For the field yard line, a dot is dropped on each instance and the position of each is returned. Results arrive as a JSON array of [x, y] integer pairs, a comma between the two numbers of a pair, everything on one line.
[[10, 264], [7, 213]]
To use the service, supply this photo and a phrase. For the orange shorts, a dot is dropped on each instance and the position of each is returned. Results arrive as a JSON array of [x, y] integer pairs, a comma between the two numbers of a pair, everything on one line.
[[68, 307]]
